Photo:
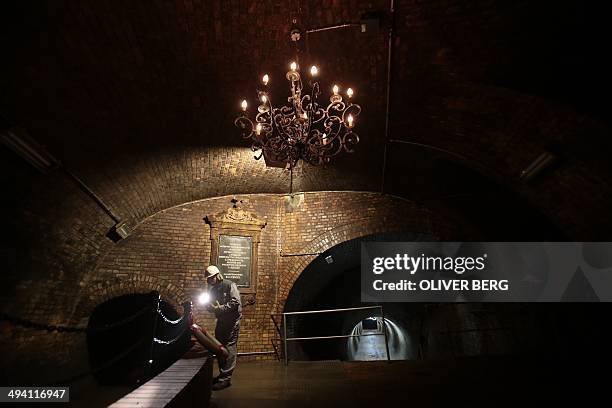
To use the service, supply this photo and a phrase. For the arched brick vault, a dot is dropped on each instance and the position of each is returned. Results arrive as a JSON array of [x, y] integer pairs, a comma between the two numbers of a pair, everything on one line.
[[95, 293], [144, 115], [168, 251], [147, 119], [374, 213], [295, 265]]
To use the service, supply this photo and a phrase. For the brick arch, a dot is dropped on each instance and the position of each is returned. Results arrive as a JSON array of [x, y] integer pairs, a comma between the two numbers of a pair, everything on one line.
[[101, 291], [423, 222]]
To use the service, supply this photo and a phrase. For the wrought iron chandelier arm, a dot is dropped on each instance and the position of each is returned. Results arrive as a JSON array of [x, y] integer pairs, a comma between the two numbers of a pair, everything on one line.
[[245, 125], [270, 112], [317, 113], [350, 138], [283, 120], [335, 106], [333, 126], [320, 151], [351, 109]]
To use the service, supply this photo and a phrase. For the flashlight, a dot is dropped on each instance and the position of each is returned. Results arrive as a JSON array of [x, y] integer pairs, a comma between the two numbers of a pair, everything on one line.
[[204, 298]]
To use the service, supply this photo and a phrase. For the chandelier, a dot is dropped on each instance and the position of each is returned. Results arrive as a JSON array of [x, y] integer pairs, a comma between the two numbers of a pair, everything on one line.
[[303, 129]]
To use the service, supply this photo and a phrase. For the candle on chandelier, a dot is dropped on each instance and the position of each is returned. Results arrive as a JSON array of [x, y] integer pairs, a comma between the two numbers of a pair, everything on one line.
[[258, 129], [349, 121], [293, 66], [349, 92], [314, 70], [324, 138], [335, 89], [265, 79], [244, 105]]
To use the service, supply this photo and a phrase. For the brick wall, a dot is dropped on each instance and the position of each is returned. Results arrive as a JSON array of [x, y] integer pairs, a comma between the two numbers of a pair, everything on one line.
[[168, 251]]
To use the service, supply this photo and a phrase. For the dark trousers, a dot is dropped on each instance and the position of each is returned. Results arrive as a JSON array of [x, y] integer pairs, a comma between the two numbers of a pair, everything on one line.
[[227, 332]]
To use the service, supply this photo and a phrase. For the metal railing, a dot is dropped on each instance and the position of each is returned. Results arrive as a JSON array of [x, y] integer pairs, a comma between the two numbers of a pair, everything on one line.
[[342, 336], [174, 329], [176, 333], [274, 339]]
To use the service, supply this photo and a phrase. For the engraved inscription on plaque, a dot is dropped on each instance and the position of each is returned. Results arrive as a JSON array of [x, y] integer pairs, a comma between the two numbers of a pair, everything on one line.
[[234, 259]]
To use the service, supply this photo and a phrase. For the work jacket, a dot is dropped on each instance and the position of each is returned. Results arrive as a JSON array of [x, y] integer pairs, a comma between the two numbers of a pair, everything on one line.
[[227, 294], [229, 314]]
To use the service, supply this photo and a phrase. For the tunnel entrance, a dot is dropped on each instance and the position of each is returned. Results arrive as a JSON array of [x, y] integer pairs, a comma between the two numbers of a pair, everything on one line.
[[371, 345], [333, 281], [119, 339]]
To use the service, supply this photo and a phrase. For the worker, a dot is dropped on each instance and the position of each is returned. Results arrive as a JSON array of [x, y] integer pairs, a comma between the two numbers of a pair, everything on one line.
[[226, 305]]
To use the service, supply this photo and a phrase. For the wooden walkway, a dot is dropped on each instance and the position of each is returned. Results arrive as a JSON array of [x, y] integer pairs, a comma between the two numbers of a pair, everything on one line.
[[170, 386]]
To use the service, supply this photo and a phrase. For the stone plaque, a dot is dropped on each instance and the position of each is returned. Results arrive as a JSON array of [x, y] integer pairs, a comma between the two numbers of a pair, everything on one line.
[[234, 259], [234, 236]]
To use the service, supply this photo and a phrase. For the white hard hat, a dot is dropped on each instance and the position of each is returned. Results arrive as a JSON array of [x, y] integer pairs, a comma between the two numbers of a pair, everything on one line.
[[212, 270]]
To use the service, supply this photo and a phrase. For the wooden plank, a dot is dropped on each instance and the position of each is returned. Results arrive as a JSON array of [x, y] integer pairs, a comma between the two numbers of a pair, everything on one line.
[[162, 389]]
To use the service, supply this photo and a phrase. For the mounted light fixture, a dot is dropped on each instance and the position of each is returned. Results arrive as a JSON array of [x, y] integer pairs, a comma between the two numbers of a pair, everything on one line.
[[541, 163], [18, 140], [119, 231], [304, 129]]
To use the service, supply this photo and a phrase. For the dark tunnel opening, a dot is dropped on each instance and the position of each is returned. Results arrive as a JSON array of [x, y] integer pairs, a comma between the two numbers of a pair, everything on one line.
[[547, 334], [120, 340], [336, 285], [372, 345]]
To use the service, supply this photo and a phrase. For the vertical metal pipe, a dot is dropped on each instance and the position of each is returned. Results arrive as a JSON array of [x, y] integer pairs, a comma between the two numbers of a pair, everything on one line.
[[423, 311], [384, 325], [285, 337], [388, 107]]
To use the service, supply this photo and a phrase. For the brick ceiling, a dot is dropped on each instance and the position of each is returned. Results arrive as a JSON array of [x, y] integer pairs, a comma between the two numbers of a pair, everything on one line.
[[133, 76], [139, 98]]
